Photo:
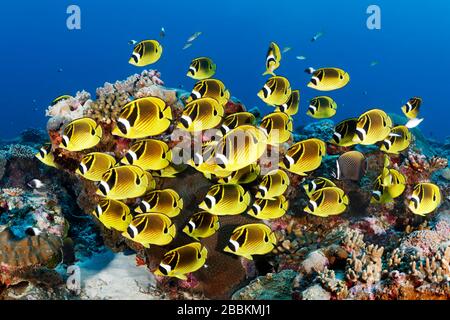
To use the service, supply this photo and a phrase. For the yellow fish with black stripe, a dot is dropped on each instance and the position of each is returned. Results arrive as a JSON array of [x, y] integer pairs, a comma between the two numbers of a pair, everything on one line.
[[251, 239], [142, 118], [425, 198], [113, 214], [327, 79], [412, 108], [94, 165], [240, 147], [267, 209], [226, 199], [201, 114], [146, 52], [380, 193], [202, 225], [373, 126], [149, 154], [290, 107], [389, 185], [276, 91], [398, 184], [317, 184], [345, 132], [151, 228], [125, 182], [304, 156], [322, 107], [273, 184], [273, 58], [210, 88], [245, 175], [166, 201], [182, 260], [235, 120], [278, 127], [327, 201], [201, 68], [46, 156], [81, 134], [398, 140]]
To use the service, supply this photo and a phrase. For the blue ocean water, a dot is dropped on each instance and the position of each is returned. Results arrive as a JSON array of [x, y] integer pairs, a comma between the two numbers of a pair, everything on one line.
[[42, 58]]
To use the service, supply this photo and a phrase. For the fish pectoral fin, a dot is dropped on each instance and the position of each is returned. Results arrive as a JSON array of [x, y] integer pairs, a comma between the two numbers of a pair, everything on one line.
[[247, 256], [146, 245]]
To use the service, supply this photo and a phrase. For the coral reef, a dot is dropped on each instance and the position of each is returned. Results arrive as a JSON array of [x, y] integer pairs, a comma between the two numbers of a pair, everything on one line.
[[370, 252]]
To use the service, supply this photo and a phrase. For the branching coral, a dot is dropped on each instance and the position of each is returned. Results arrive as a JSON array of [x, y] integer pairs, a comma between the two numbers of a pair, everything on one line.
[[418, 168], [366, 267], [112, 97]]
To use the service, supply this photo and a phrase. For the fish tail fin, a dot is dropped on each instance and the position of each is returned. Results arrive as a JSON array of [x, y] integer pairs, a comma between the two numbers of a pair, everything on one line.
[[172, 230], [167, 112], [346, 200], [180, 204], [413, 123], [268, 72]]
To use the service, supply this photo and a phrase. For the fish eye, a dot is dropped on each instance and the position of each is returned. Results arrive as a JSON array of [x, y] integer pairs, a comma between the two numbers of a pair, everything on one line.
[[310, 206], [102, 189], [42, 153], [129, 158], [81, 169]]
